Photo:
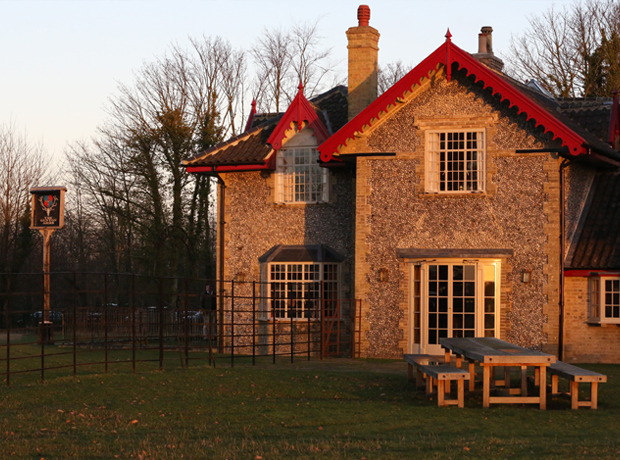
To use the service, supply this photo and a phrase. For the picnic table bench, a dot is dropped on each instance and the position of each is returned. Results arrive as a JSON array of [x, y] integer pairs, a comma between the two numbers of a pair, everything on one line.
[[436, 372], [576, 375]]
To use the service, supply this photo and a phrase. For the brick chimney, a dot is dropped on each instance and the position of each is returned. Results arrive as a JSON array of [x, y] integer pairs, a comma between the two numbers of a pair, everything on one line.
[[485, 50], [363, 62]]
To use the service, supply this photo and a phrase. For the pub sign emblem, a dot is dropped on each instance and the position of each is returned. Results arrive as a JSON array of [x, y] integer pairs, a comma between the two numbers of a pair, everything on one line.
[[48, 206]]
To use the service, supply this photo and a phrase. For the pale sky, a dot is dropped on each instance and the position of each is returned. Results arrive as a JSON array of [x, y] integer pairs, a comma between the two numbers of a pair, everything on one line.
[[62, 60]]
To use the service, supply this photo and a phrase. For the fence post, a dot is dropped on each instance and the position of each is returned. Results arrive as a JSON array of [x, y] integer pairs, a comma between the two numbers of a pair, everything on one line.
[[7, 314], [105, 318], [133, 323], [322, 323], [273, 336], [253, 323], [74, 314], [309, 323], [43, 331], [160, 305], [232, 323], [292, 340], [186, 323]]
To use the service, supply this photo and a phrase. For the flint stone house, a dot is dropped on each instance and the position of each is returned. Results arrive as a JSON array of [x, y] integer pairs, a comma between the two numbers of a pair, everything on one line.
[[460, 202]]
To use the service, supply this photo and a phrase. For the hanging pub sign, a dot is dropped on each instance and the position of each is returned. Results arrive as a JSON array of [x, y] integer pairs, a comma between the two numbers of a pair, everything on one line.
[[48, 207]]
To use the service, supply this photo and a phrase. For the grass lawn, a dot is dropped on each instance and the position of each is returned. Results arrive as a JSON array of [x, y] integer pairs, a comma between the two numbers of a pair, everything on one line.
[[363, 409]]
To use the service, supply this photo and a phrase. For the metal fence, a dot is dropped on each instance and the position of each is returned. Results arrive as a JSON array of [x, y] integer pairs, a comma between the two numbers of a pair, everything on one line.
[[99, 320]]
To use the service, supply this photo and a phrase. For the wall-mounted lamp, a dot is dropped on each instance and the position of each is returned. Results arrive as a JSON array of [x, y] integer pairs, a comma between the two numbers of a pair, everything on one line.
[[383, 275], [240, 277], [526, 276]]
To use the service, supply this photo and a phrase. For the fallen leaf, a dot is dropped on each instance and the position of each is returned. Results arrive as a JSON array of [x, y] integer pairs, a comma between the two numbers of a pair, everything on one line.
[[133, 422]]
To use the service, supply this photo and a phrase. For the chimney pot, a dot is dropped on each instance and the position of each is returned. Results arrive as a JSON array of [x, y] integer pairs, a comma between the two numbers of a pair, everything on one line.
[[363, 46], [363, 15], [488, 31], [482, 43]]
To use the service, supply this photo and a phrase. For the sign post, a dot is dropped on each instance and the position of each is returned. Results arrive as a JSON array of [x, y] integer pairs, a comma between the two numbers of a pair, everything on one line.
[[47, 215]]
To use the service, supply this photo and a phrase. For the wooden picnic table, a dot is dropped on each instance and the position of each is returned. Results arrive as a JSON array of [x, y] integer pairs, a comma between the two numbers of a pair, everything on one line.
[[490, 353]]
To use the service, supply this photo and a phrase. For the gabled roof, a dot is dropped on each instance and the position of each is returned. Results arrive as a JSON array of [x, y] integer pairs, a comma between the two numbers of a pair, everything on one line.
[[590, 113], [252, 150], [447, 55], [598, 243], [299, 111]]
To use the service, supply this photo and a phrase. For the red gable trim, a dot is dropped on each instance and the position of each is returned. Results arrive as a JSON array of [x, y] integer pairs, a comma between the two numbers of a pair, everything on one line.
[[248, 125], [445, 55], [299, 111], [268, 165]]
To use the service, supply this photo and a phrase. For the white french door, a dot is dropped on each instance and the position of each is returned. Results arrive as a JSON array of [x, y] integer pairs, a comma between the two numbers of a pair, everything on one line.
[[453, 298]]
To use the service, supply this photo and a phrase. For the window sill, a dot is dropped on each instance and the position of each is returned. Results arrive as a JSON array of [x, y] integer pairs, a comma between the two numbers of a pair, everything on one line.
[[299, 203], [288, 320], [596, 323], [453, 194]]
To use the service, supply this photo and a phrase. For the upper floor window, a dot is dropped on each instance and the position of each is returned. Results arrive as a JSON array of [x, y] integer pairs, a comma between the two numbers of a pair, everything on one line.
[[455, 161], [604, 299], [299, 177]]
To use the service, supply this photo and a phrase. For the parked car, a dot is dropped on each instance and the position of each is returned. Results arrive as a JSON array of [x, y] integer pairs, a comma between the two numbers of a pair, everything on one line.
[[55, 317], [192, 316]]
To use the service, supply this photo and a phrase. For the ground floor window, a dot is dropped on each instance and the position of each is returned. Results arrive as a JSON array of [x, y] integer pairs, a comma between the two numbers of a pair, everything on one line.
[[300, 289], [453, 298], [604, 299], [295, 289]]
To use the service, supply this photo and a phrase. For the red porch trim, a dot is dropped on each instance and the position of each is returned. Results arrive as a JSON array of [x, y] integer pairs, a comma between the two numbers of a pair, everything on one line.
[[588, 273]]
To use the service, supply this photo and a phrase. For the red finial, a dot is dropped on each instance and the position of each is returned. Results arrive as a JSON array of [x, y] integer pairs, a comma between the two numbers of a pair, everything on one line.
[[248, 125], [363, 15], [301, 86], [448, 35]]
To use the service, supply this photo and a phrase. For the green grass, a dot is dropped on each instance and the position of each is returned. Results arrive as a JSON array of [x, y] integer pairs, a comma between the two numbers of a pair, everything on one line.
[[332, 409]]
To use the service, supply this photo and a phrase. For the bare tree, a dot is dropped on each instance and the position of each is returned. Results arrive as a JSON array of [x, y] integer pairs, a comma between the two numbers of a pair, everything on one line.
[[24, 165], [152, 215], [274, 63], [387, 76], [284, 58], [562, 48]]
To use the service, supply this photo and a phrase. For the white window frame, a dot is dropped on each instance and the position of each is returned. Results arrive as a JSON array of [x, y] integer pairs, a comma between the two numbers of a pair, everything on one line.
[[419, 300], [299, 177], [604, 299], [299, 277], [470, 175]]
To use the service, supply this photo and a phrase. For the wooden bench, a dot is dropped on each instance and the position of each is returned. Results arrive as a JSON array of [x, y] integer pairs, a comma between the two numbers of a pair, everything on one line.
[[576, 375], [413, 361], [443, 374], [435, 371]]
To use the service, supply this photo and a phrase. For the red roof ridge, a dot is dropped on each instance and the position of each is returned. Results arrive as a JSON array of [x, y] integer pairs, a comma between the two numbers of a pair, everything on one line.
[[299, 111], [447, 54]]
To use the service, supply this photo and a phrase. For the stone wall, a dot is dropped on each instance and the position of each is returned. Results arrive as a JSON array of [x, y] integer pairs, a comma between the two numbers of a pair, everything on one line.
[[254, 224], [519, 211]]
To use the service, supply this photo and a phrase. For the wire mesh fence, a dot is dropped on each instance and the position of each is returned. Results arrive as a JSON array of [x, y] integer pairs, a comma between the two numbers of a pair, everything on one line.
[[99, 320]]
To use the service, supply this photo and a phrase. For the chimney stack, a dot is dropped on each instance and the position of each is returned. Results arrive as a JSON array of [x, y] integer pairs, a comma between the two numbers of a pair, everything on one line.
[[363, 62], [485, 50]]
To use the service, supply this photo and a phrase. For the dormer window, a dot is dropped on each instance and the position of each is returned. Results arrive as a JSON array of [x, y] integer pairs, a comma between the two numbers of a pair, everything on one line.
[[299, 178], [455, 162]]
